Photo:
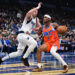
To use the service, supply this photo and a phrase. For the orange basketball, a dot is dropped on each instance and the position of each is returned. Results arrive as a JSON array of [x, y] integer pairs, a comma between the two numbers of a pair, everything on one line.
[[62, 29]]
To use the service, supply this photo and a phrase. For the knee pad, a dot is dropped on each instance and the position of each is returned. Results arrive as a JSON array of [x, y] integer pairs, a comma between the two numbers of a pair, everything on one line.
[[53, 50]]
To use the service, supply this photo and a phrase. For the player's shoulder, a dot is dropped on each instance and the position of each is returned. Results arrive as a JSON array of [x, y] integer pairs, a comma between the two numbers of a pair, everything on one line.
[[55, 25]]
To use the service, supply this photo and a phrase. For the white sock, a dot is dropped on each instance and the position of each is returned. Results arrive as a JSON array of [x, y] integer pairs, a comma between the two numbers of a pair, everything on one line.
[[57, 56], [5, 58], [39, 65]]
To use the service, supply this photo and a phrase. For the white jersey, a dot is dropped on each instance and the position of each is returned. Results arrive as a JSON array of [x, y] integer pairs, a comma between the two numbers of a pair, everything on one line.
[[28, 26]]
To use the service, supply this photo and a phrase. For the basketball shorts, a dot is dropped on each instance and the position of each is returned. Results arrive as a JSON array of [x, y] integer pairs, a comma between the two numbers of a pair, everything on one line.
[[23, 40], [50, 44]]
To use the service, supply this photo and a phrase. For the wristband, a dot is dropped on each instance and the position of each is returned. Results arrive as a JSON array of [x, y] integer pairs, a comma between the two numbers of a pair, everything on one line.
[[37, 7]]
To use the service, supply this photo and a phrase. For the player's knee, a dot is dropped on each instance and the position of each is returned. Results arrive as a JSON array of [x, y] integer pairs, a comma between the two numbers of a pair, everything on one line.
[[52, 52], [34, 44], [39, 49]]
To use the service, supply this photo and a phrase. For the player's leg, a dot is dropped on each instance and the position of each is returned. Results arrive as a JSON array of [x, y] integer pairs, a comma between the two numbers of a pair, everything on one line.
[[20, 49], [42, 48], [31, 45], [19, 52], [29, 50], [58, 57]]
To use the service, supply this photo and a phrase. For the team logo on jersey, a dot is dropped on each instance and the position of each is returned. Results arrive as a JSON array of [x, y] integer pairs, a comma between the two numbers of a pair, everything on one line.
[[27, 38], [49, 28], [32, 22]]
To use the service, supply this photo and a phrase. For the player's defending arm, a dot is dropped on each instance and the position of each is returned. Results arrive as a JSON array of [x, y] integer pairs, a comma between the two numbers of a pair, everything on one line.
[[38, 23], [37, 26], [33, 12]]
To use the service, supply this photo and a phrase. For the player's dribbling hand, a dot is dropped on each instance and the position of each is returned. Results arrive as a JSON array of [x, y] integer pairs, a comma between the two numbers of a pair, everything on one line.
[[39, 4]]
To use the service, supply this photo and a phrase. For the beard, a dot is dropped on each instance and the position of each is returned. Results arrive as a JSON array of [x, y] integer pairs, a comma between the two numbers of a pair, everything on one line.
[[46, 22]]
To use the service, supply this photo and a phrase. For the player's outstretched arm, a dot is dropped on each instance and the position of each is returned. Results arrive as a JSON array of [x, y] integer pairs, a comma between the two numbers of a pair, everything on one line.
[[33, 11], [38, 23]]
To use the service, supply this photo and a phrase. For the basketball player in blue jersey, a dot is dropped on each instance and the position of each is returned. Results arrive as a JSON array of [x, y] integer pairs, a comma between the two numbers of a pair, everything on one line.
[[24, 37]]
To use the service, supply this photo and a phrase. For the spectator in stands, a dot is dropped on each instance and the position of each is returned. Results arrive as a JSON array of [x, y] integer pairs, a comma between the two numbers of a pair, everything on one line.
[[1, 46], [13, 32], [14, 44], [8, 42], [4, 44], [73, 44], [19, 14]]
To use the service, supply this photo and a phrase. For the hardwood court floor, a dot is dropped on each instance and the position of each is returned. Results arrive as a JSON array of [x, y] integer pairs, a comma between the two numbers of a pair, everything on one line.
[[56, 72], [20, 69]]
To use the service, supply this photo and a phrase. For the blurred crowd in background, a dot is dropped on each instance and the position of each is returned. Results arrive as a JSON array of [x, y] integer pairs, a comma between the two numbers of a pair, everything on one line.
[[11, 19]]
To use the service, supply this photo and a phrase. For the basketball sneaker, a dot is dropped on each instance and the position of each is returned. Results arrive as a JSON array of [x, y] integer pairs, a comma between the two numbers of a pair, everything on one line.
[[25, 61], [37, 69], [66, 68], [1, 60]]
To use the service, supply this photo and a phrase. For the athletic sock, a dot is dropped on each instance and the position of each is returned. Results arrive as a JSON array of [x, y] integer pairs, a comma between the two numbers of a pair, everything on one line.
[[39, 65]]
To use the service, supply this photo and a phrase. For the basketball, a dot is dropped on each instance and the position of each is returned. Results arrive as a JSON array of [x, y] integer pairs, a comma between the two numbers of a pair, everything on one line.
[[62, 29]]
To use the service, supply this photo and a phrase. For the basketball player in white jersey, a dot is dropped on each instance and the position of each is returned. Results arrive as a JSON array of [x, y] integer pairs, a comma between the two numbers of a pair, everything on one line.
[[24, 37]]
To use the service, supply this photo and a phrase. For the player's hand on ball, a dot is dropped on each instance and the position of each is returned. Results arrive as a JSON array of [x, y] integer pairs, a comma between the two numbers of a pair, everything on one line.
[[62, 30]]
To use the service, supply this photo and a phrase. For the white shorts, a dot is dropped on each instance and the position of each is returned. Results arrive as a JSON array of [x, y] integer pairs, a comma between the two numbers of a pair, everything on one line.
[[24, 39]]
